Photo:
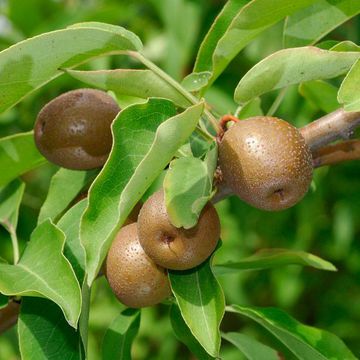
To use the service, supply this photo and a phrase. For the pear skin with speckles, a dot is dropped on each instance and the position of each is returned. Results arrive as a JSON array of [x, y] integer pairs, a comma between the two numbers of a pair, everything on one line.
[[176, 248], [266, 162], [74, 129], [133, 277]]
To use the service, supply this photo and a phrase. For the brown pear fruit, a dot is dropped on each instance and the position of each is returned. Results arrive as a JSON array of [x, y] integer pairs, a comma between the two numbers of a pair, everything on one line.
[[134, 278], [176, 248], [266, 162], [74, 129]]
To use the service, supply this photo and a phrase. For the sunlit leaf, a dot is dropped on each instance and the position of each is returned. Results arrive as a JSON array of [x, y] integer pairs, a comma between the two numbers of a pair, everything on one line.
[[305, 342], [44, 333], [188, 187], [120, 335], [137, 83], [146, 136], [292, 66], [309, 25], [18, 154], [196, 81], [73, 250], [201, 302], [64, 187], [349, 93], [183, 333], [251, 348], [31, 276], [250, 21], [273, 258], [32, 63]]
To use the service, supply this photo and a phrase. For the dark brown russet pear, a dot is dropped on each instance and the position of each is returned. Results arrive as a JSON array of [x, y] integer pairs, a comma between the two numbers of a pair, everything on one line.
[[134, 278], [176, 248], [74, 129], [266, 162]]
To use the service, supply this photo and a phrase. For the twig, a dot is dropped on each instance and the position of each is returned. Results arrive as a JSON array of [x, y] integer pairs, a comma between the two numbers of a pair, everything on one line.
[[337, 153], [334, 126]]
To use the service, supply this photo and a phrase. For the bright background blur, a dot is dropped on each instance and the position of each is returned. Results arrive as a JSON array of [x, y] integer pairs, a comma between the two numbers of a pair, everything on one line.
[[326, 222]]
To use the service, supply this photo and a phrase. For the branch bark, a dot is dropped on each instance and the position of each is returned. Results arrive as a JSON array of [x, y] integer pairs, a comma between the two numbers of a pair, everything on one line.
[[334, 126], [337, 153]]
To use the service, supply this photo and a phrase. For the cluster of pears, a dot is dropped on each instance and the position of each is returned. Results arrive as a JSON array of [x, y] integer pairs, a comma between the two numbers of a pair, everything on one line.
[[263, 160]]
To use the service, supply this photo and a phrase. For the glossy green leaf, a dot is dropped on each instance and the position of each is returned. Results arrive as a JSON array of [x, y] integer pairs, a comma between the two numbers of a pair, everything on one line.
[[217, 30], [73, 250], [120, 335], [251, 348], [273, 258], [183, 334], [18, 154], [250, 21], [146, 136], [292, 66], [349, 93], [188, 187], [198, 145], [10, 199], [138, 83], [201, 302], [196, 81], [44, 333], [64, 187], [322, 95], [345, 46], [32, 63], [309, 25], [31, 276], [305, 342]]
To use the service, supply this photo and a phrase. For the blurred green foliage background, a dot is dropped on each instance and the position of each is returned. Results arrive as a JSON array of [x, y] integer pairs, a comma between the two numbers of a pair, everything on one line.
[[326, 222]]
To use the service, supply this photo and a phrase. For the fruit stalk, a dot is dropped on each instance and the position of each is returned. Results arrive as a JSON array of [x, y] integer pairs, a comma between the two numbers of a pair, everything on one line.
[[337, 153], [339, 124]]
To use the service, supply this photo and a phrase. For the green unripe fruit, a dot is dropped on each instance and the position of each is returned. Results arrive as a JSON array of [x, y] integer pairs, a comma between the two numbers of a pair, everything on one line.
[[266, 162], [134, 278], [74, 129], [176, 248]]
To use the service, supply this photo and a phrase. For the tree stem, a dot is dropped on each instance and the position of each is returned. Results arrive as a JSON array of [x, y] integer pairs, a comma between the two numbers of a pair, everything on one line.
[[337, 153], [336, 125]]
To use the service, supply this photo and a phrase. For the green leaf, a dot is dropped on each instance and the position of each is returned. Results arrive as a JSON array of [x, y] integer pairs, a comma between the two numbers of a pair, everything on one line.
[[146, 136], [272, 258], [188, 187], [201, 302], [292, 66], [183, 334], [251, 348], [196, 81], [44, 333], [137, 83], [198, 145], [349, 93], [32, 63], [64, 187], [120, 335], [251, 20], [309, 25], [322, 95], [345, 46], [4, 300], [31, 276], [73, 250], [305, 342], [250, 109], [10, 199], [18, 154], [217, 30]]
